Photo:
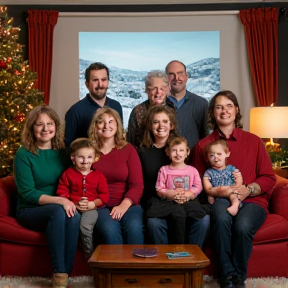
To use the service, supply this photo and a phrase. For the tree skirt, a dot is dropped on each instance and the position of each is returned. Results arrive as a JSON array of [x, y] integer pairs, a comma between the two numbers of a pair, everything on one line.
[[87, 282]]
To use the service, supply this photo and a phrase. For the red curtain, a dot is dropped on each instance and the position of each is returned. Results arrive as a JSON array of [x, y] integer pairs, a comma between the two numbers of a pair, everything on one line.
[[40, 29], [261, 32]]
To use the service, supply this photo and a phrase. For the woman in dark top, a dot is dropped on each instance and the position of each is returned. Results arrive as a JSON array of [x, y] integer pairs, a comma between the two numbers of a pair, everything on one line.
[[160, 125]]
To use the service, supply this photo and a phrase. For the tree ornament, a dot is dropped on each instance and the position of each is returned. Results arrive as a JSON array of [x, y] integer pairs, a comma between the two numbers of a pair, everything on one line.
[[3, 65], [9, 60], [19, 117], [16, 72]]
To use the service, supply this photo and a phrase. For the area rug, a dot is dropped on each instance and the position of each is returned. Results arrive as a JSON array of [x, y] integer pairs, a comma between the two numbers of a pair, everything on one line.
[[87, 282]]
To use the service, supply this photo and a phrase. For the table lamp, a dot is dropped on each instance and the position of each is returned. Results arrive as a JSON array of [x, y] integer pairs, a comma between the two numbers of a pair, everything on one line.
[[270, 122]]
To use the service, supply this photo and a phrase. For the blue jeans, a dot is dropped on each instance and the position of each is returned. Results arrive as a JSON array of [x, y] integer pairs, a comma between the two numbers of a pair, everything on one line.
[[233, 235], [157, 229], [61, 232], [129, 230]]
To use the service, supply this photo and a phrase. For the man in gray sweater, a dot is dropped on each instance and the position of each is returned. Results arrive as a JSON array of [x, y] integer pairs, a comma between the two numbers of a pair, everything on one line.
[[191, 109]]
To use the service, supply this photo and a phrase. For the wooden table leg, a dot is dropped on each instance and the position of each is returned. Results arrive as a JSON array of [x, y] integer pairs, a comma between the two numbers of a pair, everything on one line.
[[197, 278], [100, 278]]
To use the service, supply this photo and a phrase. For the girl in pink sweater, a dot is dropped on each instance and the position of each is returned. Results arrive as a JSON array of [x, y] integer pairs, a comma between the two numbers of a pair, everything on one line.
[[182, 184]]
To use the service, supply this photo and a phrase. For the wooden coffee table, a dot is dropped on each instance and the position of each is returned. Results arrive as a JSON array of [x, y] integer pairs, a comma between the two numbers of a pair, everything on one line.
[[114, 266]]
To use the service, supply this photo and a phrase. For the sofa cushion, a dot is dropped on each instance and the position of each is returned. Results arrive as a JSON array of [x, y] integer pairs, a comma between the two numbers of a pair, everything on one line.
[[12, 231], [274, 228]]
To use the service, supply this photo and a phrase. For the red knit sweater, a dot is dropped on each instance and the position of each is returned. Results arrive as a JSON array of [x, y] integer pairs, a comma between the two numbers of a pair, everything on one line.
[[71, 186], [123, 172]]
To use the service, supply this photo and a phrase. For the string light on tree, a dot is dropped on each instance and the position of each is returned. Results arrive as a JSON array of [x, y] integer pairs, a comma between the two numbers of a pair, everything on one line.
[[17, 95]]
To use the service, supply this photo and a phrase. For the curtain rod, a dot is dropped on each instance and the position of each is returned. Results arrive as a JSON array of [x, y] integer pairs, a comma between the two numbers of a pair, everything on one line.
[[146, 14]]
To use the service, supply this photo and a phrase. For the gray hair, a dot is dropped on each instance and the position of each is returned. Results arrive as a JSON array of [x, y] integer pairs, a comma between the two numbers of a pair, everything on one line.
[[155, 74]]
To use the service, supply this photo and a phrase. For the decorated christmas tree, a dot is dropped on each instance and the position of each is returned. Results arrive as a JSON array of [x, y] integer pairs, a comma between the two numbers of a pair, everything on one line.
[[17, 95]]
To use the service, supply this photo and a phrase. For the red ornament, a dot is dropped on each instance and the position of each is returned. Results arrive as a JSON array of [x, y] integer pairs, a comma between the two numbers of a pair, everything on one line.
[[19, 117], [17, 72], [9, 60], [3, 65]]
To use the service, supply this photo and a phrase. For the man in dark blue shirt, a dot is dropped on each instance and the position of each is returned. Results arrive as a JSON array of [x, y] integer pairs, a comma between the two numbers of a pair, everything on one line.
[[191, 109], [79, 116]]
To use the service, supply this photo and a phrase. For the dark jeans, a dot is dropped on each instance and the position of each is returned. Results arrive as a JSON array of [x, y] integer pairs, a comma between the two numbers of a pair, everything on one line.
[[129, 230], [61, 231], [196, 230], [233, 235]]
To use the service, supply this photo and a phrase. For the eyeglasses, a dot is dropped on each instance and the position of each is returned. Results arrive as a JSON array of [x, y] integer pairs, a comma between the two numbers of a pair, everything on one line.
[[159, 89]]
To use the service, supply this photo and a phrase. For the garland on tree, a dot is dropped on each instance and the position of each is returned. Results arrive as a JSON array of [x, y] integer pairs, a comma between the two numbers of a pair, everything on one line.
[[17, 95]]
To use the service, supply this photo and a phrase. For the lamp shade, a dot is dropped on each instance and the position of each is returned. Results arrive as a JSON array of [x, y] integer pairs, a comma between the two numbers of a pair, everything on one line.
[[269, 122]]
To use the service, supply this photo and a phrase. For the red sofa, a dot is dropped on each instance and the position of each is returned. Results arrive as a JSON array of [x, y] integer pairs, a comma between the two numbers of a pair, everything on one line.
[[25, 253]]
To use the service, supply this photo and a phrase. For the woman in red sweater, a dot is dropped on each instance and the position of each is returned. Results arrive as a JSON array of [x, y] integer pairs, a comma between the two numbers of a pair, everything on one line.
[[121, 221], [232, 236]]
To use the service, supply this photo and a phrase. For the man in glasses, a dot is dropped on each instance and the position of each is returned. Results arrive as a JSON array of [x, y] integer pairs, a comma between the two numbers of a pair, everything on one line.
[[191, 109]]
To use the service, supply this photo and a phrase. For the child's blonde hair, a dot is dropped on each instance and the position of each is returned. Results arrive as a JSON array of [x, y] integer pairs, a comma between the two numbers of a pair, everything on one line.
[[221, 142], [80, 143]]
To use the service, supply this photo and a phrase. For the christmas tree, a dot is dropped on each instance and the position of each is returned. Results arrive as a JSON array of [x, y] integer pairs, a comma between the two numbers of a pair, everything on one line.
[[17, 95]]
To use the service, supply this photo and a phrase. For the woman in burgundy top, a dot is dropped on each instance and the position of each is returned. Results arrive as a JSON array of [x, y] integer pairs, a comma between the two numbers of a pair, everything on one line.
[[233, 235], [121, 221]]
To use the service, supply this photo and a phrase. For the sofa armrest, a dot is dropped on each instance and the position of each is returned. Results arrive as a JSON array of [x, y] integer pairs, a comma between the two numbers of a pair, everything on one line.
[[278, 201], [8, 196]]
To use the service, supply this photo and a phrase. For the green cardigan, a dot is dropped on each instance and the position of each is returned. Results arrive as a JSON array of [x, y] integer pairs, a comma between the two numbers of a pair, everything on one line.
[[36, 175]]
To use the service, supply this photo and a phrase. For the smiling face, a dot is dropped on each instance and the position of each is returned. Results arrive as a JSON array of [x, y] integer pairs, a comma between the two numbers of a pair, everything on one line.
[[83, 159], [106, 126], [177, 77], [98, 84], [44, 131], [178, 153], [217, 156], [157, 91], [225, 112], [161, 127]]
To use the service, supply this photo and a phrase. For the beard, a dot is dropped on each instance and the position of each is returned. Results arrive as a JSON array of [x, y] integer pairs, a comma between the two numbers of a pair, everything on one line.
[[177, 88], [99, 95]]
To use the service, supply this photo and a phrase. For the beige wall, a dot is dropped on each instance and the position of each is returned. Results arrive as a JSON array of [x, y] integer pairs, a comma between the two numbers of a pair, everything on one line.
[[234, 71]]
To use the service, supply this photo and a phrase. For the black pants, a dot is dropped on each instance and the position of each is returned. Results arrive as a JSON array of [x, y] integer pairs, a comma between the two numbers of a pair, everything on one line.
[[176, 215]]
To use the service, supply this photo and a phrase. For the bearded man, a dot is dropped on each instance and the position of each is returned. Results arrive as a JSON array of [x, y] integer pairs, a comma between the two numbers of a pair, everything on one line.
[[79, 116]]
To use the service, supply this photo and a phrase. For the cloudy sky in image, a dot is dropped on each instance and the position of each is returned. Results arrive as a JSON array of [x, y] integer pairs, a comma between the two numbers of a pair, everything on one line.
[[145, 51]]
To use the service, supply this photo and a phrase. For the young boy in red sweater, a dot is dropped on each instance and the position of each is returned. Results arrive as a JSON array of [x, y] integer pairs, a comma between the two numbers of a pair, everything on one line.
[[87, 188]]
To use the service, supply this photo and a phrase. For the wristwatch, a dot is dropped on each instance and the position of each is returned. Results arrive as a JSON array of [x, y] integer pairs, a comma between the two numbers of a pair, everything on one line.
[[251, 189]]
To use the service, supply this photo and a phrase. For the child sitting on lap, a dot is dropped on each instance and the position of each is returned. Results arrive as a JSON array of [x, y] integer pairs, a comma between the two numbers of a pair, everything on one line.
[[178, 185], [219, 174], [87, 188]]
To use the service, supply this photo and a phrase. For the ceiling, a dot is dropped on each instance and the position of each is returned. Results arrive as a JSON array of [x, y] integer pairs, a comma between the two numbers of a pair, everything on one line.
[[128, 2]]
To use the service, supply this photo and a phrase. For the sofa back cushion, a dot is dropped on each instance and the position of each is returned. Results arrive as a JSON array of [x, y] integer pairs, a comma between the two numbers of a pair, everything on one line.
[[8, 196]]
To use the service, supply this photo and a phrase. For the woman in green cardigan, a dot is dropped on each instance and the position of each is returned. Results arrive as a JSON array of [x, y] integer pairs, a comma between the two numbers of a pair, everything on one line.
[[38, 165]]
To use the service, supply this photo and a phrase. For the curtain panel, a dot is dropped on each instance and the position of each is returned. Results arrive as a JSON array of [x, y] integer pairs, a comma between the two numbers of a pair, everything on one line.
[[261, 32], [41, 25]]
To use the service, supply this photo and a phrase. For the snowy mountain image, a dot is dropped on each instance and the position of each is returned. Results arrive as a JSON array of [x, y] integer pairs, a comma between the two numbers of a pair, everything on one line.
[[128, 86]]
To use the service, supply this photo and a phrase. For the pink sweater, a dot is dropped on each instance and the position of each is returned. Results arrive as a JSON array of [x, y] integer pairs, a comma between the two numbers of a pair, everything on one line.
[[171, 178]]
